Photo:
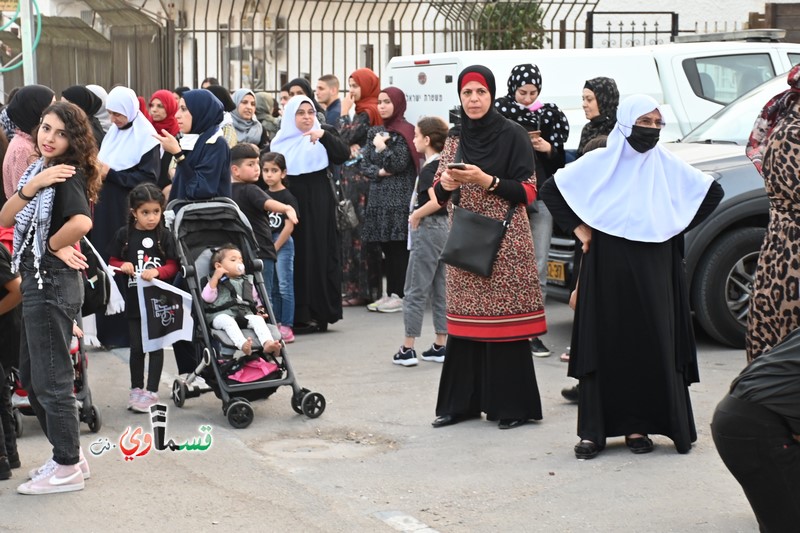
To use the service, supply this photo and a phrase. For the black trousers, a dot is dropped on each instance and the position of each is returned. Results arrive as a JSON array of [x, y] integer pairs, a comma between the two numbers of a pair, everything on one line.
[[396, 254], [757, 447], [136, 361]]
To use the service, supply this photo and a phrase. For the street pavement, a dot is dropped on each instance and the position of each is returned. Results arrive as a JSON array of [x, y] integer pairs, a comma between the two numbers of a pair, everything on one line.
[[372, 461]]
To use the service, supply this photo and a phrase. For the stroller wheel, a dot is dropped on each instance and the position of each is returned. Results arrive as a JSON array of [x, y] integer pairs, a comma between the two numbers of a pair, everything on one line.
[[313, 404], [297, 400], [17, 423], [94, 421], [240, 413], [179, 391]]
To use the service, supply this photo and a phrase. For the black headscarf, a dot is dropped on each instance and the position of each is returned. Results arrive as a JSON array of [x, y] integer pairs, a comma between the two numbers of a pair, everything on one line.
[[607, 96], [498, 146], [83, 98], [223, 95], [303, 84], [90, 103], [25, 109]]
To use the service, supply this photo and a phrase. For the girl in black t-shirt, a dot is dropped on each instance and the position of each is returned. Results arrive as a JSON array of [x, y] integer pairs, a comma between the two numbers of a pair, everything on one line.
[[143, 249], [50, 213], [273, 167]]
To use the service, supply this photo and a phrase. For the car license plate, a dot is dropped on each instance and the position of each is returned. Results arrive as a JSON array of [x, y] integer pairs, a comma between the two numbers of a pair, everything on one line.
[[556, 272]]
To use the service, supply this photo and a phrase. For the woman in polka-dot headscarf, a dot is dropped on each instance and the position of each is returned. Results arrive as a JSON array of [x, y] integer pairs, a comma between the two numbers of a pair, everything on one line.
[[548, 129]]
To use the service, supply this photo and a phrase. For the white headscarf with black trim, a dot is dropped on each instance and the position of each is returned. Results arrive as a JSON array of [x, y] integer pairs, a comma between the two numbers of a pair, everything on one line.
[[646, 197]]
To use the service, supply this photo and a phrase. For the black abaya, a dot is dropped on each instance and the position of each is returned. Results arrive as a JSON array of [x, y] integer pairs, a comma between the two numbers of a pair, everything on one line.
[[318, 270], [633, 346]]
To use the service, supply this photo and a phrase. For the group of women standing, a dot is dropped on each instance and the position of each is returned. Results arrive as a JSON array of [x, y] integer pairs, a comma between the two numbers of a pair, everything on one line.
[[629, 206]]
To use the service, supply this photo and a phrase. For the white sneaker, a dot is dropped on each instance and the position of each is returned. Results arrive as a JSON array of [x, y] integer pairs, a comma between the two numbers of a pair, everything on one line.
[[392, 305], [133, 397], [83, 464], [146, 400], [374, 305], [53, 478]]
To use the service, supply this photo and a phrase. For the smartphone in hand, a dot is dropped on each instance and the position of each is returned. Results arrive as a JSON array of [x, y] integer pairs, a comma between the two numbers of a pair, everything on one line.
[[457, 166]]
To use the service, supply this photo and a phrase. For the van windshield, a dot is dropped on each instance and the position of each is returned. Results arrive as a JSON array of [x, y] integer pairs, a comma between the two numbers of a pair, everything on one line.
[[734, 122]]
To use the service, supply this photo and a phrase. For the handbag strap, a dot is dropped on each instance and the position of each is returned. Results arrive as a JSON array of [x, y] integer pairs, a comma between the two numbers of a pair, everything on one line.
[[337, 194]]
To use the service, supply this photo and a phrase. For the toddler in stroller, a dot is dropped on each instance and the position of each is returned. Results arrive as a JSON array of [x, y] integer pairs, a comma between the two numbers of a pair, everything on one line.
[[232, 302], [203, 229]]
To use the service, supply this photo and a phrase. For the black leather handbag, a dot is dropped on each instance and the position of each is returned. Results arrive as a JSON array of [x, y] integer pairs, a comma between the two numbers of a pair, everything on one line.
[[474, 240]]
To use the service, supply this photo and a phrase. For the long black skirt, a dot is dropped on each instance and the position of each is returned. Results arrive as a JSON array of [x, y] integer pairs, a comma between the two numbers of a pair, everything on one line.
[[496, 378]]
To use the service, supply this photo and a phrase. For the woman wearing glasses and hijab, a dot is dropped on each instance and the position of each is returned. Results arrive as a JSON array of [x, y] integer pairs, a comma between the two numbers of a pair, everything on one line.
[[630, 205]]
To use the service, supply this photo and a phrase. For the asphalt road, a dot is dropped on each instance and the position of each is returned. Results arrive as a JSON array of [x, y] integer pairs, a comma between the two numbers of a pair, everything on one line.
[[372, 462]]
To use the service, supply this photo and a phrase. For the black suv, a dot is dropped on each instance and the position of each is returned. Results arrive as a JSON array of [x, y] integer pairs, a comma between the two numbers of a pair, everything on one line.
[[722, 252]]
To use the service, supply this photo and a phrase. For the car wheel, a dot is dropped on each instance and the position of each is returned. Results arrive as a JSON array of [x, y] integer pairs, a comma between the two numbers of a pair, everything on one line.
[[723, 283]]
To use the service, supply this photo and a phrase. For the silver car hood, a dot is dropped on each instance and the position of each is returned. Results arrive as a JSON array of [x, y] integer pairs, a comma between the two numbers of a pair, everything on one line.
[[709, 157]]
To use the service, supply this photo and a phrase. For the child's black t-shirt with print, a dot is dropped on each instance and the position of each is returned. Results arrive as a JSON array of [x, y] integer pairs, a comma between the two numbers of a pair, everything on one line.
[[144, 253], [278, 220]]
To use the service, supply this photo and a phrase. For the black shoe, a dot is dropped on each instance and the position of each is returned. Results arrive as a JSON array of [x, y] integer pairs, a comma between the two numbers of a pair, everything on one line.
[[538, 348], [312, 326], [449, 420], [5, 468], [13, 460], [405, 357], [639, 444], [570, 393], [434, 354], [511, 423], [587, 449]]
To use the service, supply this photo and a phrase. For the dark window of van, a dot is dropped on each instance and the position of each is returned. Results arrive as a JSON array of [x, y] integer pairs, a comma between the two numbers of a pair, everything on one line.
[[723, 79], [794, 58]]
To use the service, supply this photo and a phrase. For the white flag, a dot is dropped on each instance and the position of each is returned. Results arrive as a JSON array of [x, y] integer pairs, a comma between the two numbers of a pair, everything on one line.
[[166, 313]]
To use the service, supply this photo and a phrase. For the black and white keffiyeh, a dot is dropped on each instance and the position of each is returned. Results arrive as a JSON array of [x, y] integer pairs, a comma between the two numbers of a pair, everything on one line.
[[33, 221]]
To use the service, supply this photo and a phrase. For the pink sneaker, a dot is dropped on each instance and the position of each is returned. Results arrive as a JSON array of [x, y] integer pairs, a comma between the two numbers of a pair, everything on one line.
[[83, 464], [133, 397], [53, 478], [287, 335], [146, 399]]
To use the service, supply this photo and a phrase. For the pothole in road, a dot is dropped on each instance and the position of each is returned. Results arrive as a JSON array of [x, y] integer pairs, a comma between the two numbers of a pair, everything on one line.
[[331, 444]]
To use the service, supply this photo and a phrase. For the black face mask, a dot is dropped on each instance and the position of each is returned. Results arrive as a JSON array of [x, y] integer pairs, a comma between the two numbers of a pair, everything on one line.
[[643, 139]]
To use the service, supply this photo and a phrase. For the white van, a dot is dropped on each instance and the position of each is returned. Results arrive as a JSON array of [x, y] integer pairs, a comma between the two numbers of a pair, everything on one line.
[[691, 81]]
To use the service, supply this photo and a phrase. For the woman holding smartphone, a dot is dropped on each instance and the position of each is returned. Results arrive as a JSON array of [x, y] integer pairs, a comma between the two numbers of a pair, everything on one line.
[[390, 163], [488, 367], [548, 130]]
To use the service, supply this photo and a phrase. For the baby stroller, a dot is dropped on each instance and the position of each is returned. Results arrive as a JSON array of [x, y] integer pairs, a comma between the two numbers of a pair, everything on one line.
[[87, 411], [199, 227]]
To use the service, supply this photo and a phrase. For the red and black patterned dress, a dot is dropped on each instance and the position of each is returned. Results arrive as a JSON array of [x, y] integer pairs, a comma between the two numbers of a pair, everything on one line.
[[490, 320]]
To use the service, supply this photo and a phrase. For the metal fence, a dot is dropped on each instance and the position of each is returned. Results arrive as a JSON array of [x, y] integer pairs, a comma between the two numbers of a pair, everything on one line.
[[264, 43]]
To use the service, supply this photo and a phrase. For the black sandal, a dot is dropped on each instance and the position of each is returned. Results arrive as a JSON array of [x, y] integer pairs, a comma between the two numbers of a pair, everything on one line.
[[587, 449], [639, 444]]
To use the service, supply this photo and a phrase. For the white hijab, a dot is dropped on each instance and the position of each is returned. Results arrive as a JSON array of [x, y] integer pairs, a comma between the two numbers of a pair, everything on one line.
[[649, 197], [123, 148], [302, 156], [102, 114]]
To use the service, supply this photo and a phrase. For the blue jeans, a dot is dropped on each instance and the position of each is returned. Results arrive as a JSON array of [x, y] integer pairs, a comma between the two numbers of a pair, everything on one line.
[[45, 364], [541, 231], [268, 273], [425, 276], [283, 284]]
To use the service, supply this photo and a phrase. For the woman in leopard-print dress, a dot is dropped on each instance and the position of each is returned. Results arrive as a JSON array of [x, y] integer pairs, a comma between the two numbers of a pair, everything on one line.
[[488, 367], [775, 303]]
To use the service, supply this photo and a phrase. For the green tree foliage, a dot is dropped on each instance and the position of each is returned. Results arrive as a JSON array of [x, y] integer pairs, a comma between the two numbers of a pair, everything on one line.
[[509, 26]]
